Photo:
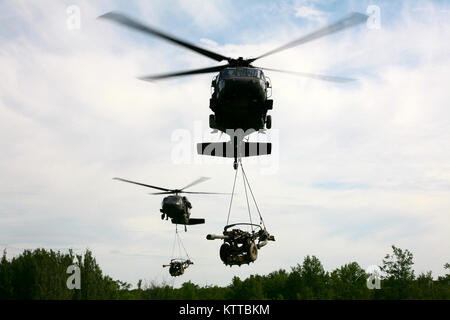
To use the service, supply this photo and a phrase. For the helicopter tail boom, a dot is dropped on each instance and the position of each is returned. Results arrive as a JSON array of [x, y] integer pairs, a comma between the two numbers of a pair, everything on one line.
[[196, 221], [191, 221]]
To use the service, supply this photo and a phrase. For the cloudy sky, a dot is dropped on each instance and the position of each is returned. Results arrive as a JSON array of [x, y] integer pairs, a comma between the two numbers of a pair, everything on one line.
[[357, 167]]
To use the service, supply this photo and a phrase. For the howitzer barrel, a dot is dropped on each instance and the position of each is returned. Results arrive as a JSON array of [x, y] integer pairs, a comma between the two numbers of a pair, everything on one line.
[[216, 236]]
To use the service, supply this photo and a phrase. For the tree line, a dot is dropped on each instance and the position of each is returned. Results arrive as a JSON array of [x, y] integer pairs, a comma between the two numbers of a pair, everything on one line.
[[41, 274]]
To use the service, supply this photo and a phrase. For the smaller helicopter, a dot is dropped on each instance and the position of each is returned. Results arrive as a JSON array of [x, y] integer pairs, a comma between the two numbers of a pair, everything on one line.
[[177, 266], [176, 207]]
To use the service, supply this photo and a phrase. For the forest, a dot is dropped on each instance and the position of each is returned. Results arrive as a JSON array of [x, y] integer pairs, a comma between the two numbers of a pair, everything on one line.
[[41, 274]]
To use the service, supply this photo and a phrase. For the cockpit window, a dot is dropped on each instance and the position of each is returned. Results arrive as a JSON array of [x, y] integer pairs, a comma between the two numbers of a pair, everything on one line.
[[261, 75], [242, 72], [228, 73], [253, 73]]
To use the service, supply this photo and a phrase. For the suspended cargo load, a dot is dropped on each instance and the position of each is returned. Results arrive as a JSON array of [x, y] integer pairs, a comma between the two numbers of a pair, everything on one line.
[[177, 266], [240, 246]]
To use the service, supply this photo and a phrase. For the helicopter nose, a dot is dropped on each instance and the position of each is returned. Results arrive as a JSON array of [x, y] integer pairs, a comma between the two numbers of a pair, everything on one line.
[[171, 201]]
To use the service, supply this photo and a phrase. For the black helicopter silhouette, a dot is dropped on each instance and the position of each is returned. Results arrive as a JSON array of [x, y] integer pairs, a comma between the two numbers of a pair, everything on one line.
[[177, 208], [241, 90]]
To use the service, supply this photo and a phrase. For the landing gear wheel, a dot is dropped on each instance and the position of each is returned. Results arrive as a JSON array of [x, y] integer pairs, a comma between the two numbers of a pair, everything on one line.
[[162, 216], [224, 252], [212, 121], [235, 165], [269, 122], [252, 252]]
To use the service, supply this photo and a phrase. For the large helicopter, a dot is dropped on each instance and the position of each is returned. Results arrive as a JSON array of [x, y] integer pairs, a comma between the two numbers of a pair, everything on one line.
[[240, 99], [176, 207]]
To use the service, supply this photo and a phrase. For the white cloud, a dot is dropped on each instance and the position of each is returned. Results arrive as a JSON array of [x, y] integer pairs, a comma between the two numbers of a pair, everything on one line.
[[209, 15], [310, 13], [208, 42]]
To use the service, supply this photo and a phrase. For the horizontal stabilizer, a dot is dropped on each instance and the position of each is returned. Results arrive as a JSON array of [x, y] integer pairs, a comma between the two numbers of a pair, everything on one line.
[[196, 221], [228, 149]]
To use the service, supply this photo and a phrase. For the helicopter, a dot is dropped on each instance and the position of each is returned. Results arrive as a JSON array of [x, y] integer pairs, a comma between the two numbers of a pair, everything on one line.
[[240, 99], [174, 206]]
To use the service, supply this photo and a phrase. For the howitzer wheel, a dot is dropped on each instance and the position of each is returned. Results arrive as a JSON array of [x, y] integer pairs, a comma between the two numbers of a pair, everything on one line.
[[252, 252], [224, 252]]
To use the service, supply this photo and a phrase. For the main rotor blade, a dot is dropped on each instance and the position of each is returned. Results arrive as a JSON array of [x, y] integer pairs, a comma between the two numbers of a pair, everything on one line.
[[183, 73], [352, 20], [199, 180], [314, 76], [192, 192], [167, 192], [142, 184], [131, 23]]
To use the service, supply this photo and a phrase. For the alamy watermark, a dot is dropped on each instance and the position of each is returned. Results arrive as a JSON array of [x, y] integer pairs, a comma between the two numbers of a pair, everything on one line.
[[374, 20], [73, 20], [74, 280], [374, 279]]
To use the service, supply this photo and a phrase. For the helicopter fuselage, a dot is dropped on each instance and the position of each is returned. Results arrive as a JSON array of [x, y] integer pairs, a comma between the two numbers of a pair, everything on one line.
[[239, 100], [177, 208]]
